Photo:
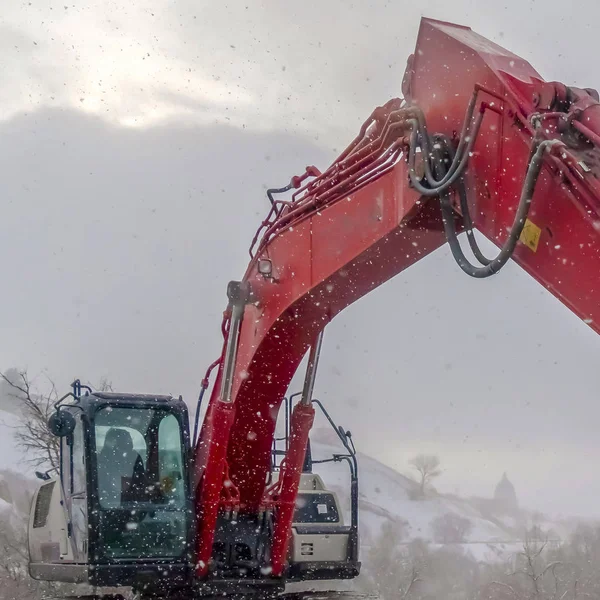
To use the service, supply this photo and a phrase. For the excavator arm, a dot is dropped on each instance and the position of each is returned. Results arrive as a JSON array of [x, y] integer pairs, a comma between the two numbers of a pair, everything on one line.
[[480, 141]]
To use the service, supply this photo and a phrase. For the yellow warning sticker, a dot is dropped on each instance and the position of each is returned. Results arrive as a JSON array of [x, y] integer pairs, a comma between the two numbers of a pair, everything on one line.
[[530, 235]]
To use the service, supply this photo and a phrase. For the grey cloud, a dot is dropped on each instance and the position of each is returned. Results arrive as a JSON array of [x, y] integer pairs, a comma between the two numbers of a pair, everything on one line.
[[120, 242], [316, 69]]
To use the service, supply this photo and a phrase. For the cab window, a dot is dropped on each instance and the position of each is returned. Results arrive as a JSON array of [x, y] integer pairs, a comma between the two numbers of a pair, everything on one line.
[[140, 482], [73, 460], [316, 508]]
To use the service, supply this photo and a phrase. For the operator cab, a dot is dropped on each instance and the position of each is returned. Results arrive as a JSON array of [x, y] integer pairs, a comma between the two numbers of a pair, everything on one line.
[[120, 506]]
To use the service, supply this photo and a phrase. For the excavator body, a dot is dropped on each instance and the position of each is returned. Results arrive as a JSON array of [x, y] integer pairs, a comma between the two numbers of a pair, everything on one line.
[[119, 513]]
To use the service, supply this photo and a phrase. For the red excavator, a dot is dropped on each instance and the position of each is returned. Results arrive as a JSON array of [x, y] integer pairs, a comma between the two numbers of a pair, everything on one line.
[[479, 141]]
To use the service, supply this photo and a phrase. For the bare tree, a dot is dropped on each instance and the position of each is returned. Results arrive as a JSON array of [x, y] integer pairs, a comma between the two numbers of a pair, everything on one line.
[[104, 385], [542, 574], [40, 446], [428, 467], [450, 528], [392, 570]]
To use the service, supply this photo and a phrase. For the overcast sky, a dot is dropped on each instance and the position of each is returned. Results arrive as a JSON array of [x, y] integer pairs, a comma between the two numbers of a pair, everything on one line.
[[136, 141]]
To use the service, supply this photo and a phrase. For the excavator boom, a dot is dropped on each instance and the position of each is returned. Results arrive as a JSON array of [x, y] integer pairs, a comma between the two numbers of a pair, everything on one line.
[[530, 165]]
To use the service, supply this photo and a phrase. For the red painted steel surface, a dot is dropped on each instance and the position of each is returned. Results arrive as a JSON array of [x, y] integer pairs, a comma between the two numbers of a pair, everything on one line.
[[360, 223], [566, 205]]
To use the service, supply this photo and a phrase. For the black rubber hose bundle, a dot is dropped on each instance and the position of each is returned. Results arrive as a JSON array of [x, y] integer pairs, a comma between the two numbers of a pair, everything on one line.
[[440, 178]]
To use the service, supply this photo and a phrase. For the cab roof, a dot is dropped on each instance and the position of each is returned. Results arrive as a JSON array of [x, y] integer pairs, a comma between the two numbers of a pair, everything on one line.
[[129, 397], [91, 402]]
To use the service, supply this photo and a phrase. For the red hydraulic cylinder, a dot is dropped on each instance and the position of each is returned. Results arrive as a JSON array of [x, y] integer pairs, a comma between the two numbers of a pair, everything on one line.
[[207, 502], [211, 449], [301, 423]]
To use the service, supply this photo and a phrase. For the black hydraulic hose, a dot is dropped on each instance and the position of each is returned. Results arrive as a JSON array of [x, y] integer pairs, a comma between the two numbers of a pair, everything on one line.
[[466, 136], [197, 417], [531, 177], [282, 190], [468, 223], [448, 180], [464, 204], [442, 177]]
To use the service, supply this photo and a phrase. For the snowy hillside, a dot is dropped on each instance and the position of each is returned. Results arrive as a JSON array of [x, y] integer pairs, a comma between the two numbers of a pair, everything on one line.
[[386, 495]]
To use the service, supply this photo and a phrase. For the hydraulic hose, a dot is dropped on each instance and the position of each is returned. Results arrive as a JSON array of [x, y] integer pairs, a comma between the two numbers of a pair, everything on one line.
[[282, 190], [439, 186], [467, 136], [464, 204], [493, 266], [440, 178]]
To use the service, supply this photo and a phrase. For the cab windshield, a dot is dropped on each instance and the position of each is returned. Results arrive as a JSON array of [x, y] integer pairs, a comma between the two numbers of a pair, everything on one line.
[[140, 482]]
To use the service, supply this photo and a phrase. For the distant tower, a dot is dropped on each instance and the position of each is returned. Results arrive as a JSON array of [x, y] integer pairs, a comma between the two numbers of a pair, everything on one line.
[[505, 497]]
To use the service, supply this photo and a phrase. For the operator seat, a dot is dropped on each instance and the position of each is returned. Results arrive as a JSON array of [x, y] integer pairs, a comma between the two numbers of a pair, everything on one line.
[[121, 473]]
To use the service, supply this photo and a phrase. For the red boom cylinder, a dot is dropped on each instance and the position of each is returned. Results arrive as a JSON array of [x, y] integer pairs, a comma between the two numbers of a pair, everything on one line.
[[301, 423]]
